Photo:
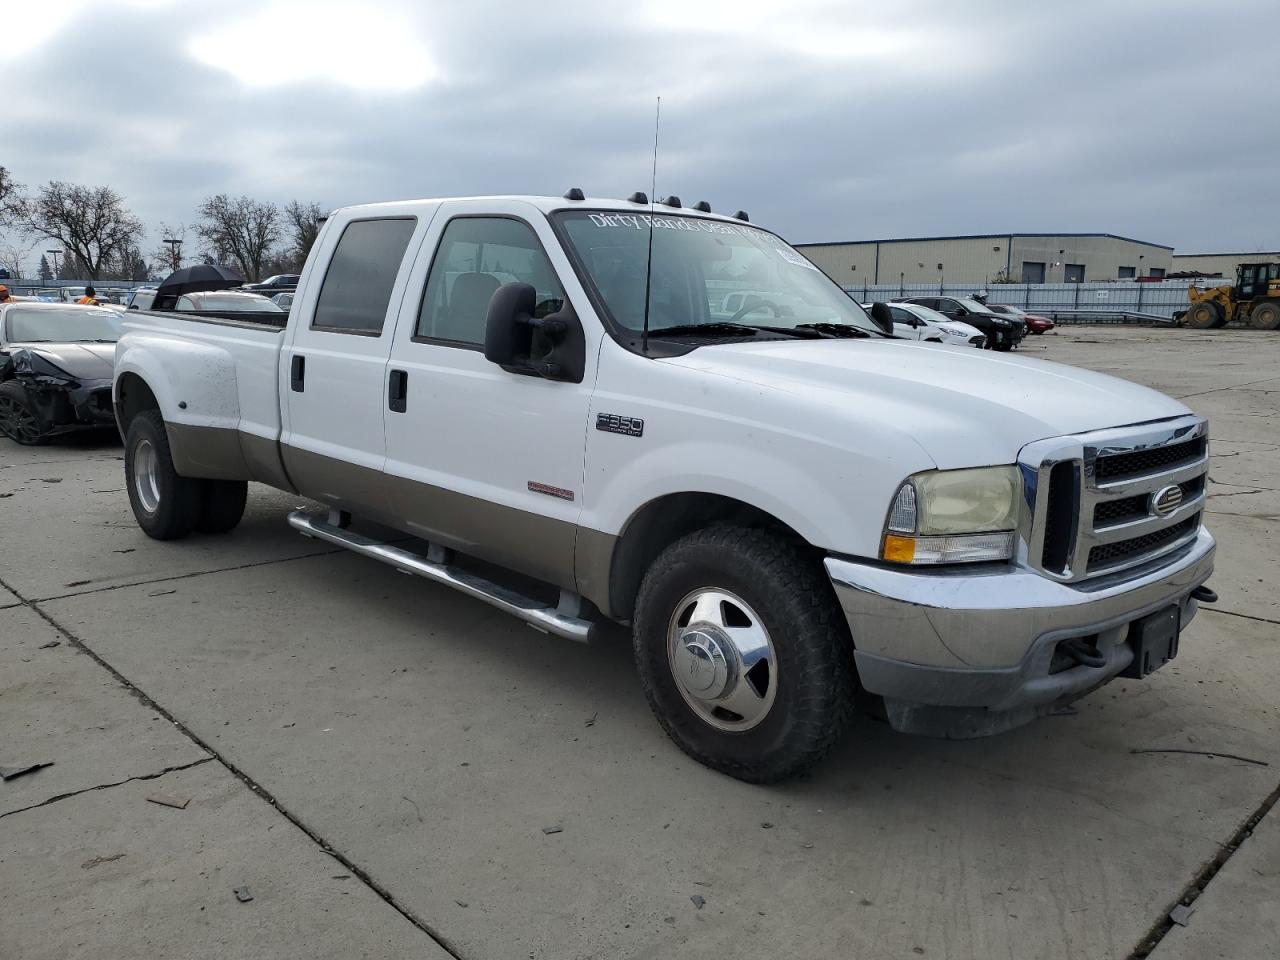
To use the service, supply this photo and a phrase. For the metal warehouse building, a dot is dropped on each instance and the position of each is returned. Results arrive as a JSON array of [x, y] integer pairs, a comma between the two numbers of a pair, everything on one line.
[[1214, 264], [1019, 257]]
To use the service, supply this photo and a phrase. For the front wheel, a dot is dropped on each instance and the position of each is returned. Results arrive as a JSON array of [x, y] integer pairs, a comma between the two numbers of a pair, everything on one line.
[[1004, 346], [743, 653], [18, 418], [165, 504], [1265, 315]]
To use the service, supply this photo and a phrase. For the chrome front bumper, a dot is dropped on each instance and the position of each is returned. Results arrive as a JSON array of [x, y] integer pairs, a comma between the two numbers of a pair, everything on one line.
[[979, 642]]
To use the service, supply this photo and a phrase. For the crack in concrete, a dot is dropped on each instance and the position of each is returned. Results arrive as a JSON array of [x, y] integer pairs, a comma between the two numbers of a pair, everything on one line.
[[1234, 386], [1243, 616], [260, 791], [184, 576], [108, 786], [1192, 891]]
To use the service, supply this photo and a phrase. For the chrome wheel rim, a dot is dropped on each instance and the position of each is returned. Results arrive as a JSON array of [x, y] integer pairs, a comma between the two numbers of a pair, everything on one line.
[[723, 659], [17, 422], [146, 479]]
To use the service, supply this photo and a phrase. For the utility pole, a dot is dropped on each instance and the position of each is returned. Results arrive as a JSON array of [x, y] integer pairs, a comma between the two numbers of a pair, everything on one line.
[[57, 273], [175, 251]]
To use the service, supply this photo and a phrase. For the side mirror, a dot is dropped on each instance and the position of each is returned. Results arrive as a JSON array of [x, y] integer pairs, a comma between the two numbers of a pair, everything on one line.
[[959, 312], [881, 317], [552, 346]]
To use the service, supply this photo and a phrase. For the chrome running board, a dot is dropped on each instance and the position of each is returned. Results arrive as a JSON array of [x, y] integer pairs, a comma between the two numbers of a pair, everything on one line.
[[558, 621]]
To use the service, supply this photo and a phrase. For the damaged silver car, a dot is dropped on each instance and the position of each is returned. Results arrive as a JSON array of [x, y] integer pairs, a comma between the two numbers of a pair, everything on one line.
[[55, 369]]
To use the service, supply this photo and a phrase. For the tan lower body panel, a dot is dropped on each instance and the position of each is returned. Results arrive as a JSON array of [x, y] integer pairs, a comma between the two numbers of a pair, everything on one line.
[[528, 543]]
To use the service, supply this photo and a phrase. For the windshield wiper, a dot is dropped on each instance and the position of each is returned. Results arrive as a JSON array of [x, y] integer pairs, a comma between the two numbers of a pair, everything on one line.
[[716, 328], [835, 329], [724, 328]]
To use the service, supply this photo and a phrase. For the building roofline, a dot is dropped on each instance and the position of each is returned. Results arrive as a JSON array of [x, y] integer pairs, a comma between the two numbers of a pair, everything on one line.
[[980, 236], [1255, 253]]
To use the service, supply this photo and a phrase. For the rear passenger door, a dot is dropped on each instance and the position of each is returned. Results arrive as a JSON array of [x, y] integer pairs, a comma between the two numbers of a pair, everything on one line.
[[332, 368]]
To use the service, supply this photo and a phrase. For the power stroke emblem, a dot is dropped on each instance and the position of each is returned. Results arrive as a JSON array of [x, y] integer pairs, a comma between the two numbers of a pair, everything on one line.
[[1166, 500], [613, 423]]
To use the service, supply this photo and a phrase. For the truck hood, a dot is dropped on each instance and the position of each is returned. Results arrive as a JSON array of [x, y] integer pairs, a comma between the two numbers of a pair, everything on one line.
[[84, 361], [964, 407]]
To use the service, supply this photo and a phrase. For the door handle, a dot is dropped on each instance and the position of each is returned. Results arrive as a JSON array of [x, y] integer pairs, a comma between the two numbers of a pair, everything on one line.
[[398, 391], [297, 373]]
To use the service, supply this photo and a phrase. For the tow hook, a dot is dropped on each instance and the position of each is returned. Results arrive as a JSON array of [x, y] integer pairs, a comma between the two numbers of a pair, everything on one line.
[[1203, 594]]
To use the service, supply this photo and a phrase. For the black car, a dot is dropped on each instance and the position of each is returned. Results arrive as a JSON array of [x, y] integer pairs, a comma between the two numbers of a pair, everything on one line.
[[55, 369], [1003, 333], [281, 283]]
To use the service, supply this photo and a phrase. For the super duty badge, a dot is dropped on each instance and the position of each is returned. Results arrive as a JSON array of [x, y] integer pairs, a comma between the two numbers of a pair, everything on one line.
[[627, 426]]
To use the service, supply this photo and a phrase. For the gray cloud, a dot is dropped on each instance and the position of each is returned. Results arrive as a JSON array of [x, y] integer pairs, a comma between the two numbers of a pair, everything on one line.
[[825, 121]]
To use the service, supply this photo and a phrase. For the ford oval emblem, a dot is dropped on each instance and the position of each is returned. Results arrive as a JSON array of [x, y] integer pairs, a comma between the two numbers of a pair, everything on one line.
[[1166, 500]]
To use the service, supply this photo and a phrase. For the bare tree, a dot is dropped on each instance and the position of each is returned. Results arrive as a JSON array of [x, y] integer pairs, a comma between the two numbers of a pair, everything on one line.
[[91, 223], [242, 230], [10, 196], [14, 257], [303, 221], [128, 264]]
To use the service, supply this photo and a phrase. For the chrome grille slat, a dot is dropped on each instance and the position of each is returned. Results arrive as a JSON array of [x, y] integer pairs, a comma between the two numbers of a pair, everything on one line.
[[1117, 537], [1135, 528]]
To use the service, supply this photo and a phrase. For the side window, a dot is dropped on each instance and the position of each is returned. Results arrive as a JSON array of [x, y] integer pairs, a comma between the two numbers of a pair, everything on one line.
[[899, 315], [184, 303], [357, 284], [477, 255]]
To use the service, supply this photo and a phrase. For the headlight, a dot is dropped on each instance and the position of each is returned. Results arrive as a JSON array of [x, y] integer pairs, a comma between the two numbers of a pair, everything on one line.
[[954, 516]]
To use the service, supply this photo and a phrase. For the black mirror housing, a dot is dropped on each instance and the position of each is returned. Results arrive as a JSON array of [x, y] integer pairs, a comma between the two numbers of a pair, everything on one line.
[[881, 317], [553, 346]]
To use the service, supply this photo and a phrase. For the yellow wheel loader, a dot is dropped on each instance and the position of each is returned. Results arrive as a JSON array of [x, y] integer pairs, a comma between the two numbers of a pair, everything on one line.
[[1253, 299]]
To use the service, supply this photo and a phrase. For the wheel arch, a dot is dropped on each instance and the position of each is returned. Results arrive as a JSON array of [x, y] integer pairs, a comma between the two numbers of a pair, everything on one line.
[[650, 530], [133, 395]]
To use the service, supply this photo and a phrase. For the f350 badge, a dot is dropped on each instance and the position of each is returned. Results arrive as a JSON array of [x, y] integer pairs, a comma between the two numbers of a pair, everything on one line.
[[613, 423]]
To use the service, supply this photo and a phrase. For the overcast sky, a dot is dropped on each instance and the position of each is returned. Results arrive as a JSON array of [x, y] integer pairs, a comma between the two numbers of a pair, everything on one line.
[[827, 121]]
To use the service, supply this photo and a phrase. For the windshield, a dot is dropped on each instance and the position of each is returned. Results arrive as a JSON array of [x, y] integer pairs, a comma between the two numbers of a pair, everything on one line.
[[61, 325], [973, 306], [1011, 311], [703, 271]]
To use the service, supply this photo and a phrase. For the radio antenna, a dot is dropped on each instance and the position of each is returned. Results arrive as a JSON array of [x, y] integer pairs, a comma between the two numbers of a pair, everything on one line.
[[648, 262]]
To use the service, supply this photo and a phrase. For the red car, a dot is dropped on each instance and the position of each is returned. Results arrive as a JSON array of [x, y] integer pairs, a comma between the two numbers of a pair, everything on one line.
[[1035, 322]]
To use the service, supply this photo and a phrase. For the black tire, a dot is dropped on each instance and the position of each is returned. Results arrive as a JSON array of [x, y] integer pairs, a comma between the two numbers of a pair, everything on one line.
[[176, 499], [1004, 347], [1205, 315], [1265, 315], [222, 505], [19, 419], [785, 587]]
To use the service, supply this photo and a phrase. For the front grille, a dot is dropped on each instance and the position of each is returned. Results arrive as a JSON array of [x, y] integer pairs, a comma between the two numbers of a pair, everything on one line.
[[1110, 513], [1089, 496], [1139, 463], [1110, 554]]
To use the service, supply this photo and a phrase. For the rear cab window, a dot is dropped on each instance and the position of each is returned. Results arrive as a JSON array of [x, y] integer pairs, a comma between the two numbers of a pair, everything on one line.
[[360, 276]]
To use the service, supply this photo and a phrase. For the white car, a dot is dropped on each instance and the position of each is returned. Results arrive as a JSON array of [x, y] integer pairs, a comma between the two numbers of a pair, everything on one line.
[[782, 503], [914, 322]]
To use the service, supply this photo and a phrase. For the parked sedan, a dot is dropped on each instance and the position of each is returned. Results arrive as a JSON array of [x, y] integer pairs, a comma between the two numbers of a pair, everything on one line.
[[1035, 323], [55, 369], [914, 322], [1002, 333]]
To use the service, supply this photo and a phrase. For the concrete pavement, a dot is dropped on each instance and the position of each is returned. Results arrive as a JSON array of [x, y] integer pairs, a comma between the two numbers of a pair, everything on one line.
[[428, 742]]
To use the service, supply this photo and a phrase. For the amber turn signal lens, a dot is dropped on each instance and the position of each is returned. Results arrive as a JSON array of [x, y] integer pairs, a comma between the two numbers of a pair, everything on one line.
[[899, 549]]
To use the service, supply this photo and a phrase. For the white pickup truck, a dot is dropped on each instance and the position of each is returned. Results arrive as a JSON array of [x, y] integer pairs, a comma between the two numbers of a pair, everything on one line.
[[790, 509]]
